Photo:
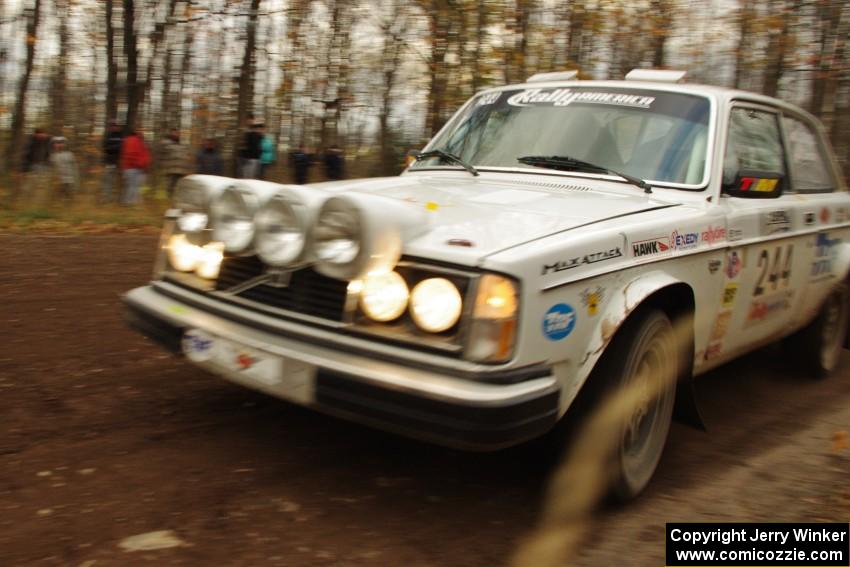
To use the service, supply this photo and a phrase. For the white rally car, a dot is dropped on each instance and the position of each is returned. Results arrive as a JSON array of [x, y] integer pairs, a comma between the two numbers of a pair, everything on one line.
[[545, 243]]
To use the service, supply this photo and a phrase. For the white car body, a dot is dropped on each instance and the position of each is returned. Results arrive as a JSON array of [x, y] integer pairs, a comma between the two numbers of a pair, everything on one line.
[[586, 250]]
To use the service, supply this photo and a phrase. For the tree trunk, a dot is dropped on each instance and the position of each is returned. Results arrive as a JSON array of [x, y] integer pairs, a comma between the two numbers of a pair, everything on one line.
[[19, 113], [246, 77], [60, 86], [745, 18], [577, 17], [131, 53], [111, 67], [438, 26], [776, 48]]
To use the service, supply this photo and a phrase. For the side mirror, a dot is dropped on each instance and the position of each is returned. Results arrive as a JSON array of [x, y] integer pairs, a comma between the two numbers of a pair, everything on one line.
[[754, 184]]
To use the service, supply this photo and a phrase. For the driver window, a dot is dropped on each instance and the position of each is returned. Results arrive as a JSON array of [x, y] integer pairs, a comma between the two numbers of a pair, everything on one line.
[[754, 143]]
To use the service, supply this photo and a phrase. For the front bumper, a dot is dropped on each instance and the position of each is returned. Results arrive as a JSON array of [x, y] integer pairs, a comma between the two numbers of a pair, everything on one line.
[[458, 408]]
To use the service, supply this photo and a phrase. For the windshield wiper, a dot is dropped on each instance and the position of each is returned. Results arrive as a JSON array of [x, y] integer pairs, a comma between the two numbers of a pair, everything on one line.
[[568, 163], [448, 157]]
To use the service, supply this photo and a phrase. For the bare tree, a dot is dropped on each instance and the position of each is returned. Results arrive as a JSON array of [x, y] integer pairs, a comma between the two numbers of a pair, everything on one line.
[[33, 15]]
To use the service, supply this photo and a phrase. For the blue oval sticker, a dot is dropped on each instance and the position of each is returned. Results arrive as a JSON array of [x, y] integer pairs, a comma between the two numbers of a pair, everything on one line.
[[559, 321]]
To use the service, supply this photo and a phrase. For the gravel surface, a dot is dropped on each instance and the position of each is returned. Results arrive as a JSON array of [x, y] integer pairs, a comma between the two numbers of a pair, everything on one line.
[[113, 452]]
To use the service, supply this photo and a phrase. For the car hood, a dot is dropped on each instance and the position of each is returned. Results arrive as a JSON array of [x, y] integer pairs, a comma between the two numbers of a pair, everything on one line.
[[470, 218]]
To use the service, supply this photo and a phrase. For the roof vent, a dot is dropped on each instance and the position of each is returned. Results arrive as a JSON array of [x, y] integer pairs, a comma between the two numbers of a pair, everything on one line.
[[556, 76], [656, 75]]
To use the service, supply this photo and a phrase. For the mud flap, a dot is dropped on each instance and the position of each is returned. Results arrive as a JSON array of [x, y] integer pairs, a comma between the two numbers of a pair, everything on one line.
[[686, 409]]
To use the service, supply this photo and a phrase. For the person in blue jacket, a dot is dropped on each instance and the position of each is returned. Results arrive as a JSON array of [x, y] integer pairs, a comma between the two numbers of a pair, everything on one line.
[[267, 153]]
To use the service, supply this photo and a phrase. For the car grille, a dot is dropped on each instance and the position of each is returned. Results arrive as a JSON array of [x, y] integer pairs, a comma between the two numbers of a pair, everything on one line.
[[307, 292]]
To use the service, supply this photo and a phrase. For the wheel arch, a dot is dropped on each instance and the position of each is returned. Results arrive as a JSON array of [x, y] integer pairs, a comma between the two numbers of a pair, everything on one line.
[[655, 290]]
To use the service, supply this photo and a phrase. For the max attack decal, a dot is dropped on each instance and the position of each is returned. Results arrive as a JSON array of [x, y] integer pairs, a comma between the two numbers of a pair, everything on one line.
[[650, 247], [591, 298], [565, 97], [562, 265], [559, 322]]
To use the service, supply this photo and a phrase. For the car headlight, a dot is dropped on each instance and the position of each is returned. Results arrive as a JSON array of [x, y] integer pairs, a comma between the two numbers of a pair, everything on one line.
[[182, 254], [384, 296], [232, 218], [492, 332], [187, 257], [281, 230], [435, 305]]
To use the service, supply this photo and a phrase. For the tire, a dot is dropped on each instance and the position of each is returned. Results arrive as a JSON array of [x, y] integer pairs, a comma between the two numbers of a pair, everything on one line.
[[816, 348], [644, 352]]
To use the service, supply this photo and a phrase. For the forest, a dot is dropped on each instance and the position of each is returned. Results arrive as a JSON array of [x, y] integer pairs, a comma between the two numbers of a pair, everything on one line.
[[378, 77]]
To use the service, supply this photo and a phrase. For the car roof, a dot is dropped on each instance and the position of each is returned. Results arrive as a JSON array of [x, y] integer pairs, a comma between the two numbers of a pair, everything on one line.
[[720, 94]]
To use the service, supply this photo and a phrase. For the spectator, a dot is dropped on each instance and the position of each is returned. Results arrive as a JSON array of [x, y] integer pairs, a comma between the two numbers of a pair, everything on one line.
[[253, 150], [249, 125], [334, 163], [209, 160], [65, 169], [267, 154], [135, 160], [38, 152], [301, 163], [111, 156], [35, 164], [175, 160]]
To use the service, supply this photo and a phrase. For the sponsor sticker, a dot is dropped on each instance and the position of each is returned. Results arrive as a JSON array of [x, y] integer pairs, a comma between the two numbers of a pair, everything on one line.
[[577, 261], [713, 234], [824, 215], [565, 97], [730, 292], [773, 222], [767, 307], [809, 218], [684, 240], [591, 298], [734, 234], [488, 98], [559, 322], [825, 248], [197, 345], [713, 350], [734, 263], [651, 246], [714, 265], [721, 325]]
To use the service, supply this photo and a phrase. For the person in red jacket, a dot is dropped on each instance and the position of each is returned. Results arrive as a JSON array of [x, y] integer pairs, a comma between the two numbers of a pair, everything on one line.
[[135, 160]]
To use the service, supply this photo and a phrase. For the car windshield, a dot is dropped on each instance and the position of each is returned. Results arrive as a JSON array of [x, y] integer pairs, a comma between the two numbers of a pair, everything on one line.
[[653, 135]]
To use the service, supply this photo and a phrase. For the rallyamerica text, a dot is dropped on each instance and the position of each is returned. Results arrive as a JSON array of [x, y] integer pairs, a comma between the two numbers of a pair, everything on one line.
[[726, 536]]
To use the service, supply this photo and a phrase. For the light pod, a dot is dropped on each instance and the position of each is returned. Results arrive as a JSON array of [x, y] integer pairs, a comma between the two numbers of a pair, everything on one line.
[[357, 234]]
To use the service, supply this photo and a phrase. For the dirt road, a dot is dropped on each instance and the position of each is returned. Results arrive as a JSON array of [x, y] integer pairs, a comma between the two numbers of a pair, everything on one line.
[[105, 437]]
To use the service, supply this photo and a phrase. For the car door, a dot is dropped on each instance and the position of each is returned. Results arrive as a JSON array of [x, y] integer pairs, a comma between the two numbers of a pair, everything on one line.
[[766, 262], [823, 210]]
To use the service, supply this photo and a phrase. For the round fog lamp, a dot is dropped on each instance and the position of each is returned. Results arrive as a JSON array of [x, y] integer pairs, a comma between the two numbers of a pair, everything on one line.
[[384, 296], [281, 233], [435, 305], [232, 215]]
